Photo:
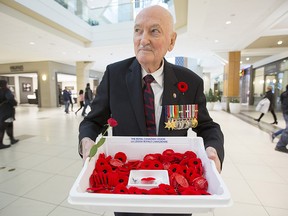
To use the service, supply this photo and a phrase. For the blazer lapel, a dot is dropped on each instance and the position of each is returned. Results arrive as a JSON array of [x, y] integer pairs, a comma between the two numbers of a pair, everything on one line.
[[134, 86]]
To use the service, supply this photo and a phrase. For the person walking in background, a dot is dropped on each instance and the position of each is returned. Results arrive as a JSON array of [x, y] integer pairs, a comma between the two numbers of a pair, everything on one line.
[[270, 96], [66, 99], [88, 96], [275, 134], [81, 100], [71, 100], [120, 94], [7, 114], [283, 141]]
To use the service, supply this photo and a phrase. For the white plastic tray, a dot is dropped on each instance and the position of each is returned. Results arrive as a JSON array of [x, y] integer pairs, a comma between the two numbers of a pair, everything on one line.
[[137, 148]]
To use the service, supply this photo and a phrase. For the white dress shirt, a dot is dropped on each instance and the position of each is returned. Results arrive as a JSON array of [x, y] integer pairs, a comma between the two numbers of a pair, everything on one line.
[[157, 87]]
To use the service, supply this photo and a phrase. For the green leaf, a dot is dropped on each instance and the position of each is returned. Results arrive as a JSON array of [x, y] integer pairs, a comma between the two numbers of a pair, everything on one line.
[[95, 147], [101, 142], [93, 151]]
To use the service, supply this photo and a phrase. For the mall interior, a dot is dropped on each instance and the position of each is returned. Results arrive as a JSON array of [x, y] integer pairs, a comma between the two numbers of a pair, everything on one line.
[[238, 48]]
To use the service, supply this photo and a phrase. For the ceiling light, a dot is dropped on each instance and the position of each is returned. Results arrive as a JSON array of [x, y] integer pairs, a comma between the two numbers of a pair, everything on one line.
[[228, 22], [240, 62], [44, 77], [247, 59], [32, 43], [216, 41], [279, 42]]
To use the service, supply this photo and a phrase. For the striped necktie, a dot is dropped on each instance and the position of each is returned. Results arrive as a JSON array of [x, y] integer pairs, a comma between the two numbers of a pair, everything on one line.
[[149, 107]]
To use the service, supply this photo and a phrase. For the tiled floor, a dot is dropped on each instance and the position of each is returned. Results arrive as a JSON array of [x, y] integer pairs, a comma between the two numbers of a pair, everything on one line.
[[37, 173]]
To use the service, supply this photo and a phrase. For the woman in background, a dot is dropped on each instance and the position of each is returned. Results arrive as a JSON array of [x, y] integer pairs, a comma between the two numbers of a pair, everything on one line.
[[270, 95], [81, 100]]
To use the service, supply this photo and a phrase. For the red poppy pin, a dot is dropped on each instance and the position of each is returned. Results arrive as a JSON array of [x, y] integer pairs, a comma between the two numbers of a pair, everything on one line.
[[182, 87]]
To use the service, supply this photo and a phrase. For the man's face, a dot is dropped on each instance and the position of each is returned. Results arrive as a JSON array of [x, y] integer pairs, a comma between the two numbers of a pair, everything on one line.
[[152, 38]]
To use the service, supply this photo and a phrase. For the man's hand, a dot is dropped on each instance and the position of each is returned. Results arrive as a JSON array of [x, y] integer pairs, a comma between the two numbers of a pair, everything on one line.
[[212, 154], [87, 144]]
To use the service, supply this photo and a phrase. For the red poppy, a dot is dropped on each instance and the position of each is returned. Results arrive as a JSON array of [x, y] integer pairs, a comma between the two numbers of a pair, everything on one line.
[[116, 163], [104, 169], [101, 155], [190, 154], [185, 174], [108, 158], [100, 163], [166, 165], [133, 164], [92, 182], [184, 162], [193, 162], [121, 156], [134, 190], [155, 165], [143, 191], [175, 168], [120, 189], [168, 189], [123, 179], [189, 191], [145, 165], [182, 87], [168, 152], [200, 183], [150, 157], [112, 122], [177, 157], [94, 189], [113, 179], [157, 191], [181, 180]]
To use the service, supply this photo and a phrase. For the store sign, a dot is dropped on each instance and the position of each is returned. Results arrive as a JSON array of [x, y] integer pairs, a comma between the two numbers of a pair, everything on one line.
[[271, 68], [16, 68]]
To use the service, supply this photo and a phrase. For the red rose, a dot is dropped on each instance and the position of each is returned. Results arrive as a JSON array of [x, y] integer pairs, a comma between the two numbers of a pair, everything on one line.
[[182, 86], [112, 122]]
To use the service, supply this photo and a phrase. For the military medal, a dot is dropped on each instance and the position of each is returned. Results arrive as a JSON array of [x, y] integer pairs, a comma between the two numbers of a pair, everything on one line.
[[181, 116], [195, 115]]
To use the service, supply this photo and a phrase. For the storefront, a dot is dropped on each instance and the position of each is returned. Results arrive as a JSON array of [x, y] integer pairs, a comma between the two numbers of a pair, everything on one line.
[[274, 74]]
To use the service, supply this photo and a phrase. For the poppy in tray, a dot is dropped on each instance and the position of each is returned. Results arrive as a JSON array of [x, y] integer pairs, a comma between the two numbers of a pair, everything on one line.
[[166, 173]]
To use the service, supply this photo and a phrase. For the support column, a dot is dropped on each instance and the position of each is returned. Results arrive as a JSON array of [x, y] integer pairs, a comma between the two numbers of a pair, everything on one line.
[[82, 74], [232, 78]]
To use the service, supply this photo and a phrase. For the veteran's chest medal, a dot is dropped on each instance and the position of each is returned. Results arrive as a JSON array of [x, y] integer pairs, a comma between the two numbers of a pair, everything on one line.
[[181, 116]]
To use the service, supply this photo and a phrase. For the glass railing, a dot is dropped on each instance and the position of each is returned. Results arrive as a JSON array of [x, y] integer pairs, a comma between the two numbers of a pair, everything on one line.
[[99, 12]]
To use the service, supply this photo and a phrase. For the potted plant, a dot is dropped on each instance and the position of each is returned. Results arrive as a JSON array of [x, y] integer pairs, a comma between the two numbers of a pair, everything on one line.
[[234, 105], [210, 99]]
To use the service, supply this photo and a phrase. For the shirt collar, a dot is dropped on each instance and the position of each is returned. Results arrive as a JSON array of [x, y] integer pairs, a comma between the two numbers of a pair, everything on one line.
[[158, 74]]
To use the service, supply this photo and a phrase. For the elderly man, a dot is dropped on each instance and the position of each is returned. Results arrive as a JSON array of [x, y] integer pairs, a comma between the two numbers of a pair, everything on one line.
[[120, 93]]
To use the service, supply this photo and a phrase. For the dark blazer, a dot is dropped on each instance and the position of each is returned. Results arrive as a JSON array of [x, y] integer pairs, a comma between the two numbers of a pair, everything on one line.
[[119, 95]]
